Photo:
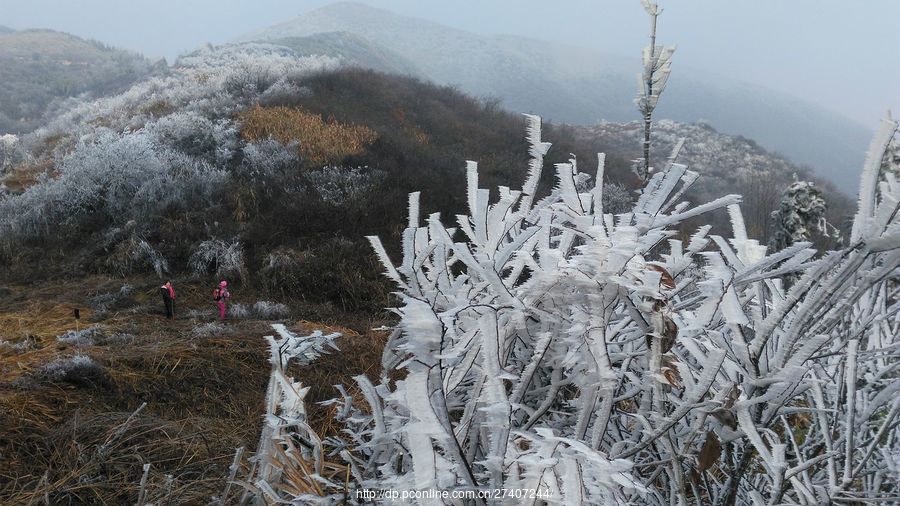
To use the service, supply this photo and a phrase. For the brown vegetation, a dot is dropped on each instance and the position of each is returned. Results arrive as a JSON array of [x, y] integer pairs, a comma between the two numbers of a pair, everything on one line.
[[22, 176], [319, 141], [86, 440]]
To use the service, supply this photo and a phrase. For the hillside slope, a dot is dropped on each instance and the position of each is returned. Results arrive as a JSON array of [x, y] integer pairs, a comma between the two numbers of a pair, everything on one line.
[[41, 68], [252, 162], [727, 164], [580, 86]]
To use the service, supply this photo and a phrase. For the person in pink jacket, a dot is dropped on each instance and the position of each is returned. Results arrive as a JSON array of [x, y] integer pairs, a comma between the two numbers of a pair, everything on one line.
[[220, 295]]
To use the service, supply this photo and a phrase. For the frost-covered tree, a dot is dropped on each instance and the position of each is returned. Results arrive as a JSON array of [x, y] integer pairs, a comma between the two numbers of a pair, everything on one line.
[[617, 198], [341, 186], [800, 214], [115, 177], [10, 152], [158, 154], [219, 257]]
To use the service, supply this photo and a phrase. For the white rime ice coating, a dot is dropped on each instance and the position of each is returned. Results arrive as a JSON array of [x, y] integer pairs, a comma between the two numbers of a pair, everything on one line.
[[524, 352]]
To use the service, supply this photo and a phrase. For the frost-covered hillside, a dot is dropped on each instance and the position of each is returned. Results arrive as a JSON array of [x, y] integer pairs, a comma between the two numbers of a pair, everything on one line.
[[139, 181], [250, 161], [575, 85], [726, 163]]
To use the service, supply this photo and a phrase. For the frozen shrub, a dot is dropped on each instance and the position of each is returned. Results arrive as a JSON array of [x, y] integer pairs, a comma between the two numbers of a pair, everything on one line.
[[109, 177], [101, 303], [211, 329], [29, 343], [196, 314], [238, 311], [135, 254], [283, 90], [545, 344], [213, 140], [266, 310], [617, 199], [115, 338], [263, 161], [283, 271], [77, 370], [800, 214], [220, 257], [11, 152], [340, 186], [85, 337]]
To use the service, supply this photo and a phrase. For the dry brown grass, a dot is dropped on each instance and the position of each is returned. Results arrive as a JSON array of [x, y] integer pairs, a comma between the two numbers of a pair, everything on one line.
[[319, 141], [69, 443], [19, 178]]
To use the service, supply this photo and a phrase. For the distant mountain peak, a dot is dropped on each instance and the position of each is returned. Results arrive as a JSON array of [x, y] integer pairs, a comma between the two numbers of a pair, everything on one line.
[[582, 86]]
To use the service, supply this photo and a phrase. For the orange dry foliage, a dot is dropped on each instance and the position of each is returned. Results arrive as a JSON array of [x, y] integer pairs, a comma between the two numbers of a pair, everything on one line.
[[319, 141]]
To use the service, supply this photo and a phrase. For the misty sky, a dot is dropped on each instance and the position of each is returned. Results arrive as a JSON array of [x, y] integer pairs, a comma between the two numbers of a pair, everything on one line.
[[842, 54]]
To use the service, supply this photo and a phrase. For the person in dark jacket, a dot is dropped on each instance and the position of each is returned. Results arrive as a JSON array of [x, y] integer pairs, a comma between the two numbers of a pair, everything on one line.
[[168, 295]]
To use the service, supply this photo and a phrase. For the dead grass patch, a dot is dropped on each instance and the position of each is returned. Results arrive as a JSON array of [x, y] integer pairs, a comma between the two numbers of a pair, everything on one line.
[[204, 397], [319, 141]]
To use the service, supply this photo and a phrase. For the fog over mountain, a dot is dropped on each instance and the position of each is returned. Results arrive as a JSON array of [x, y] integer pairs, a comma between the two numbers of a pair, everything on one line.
[[576, 85], [41, 69], [841, 59]]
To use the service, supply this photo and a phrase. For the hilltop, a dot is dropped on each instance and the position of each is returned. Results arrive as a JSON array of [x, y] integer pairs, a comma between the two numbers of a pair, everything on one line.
[[41, 69], [579, 86]]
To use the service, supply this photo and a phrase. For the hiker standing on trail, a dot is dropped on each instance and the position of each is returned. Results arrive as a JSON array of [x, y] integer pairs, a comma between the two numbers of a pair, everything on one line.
[[220, 295], [168, 295]]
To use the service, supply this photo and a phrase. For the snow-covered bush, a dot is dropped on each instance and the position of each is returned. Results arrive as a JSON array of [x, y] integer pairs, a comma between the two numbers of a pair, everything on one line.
[[266, 310], [116, 177], [84, 337], [135, 254], [283, 271], [213, 140], [22, 346], [263, 310], [548, 345], [238, 311], [617, 199], [103, 302], [222, 258], [264, 160], [340, 186], [77, 370], [11, 152], [283, 90], [801, 212], [210, 329]]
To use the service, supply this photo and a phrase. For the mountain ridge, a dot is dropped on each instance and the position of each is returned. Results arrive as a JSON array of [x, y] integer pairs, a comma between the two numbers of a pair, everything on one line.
[[40, 69], [583, 86]]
